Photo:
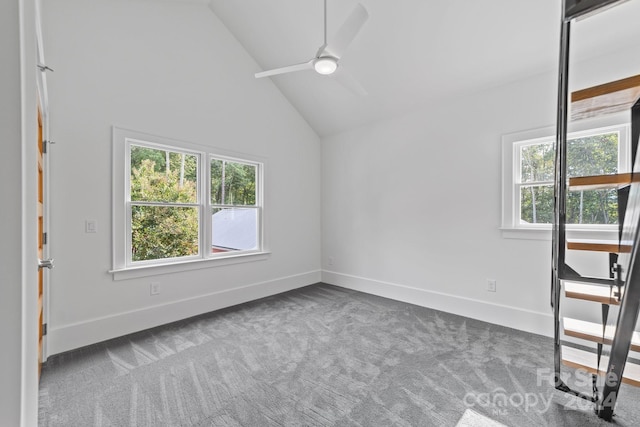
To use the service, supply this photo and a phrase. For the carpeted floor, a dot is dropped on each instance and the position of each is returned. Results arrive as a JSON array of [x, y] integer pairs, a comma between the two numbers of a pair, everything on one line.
[[317, 356]]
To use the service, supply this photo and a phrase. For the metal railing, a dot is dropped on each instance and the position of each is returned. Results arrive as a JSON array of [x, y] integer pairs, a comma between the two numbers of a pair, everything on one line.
[[629, 215]]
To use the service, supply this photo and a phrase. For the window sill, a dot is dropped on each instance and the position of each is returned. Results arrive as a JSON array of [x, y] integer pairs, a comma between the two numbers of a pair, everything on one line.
[[176, 267], [572, 233]]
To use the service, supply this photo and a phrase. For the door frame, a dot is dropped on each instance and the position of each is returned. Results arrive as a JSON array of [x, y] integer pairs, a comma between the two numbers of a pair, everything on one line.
[[43, 101]]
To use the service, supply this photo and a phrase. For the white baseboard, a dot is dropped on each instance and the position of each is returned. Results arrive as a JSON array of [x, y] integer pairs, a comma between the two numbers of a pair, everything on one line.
[[76, 335], [512, 317]]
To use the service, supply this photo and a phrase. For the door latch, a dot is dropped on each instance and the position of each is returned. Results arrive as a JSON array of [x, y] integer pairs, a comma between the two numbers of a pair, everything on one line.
[[45, 263]]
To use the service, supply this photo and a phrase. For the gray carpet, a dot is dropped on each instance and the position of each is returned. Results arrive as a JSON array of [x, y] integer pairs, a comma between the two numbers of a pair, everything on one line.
[[317, 356]]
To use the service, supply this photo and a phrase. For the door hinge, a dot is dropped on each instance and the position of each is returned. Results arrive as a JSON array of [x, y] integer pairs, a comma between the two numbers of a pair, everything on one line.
[[44, 238], [44, 145], [44, 329]]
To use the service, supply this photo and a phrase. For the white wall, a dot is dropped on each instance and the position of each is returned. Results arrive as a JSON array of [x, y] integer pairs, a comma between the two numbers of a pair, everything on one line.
[[18, 192], [412, 206], [170, 69], [10, 227]]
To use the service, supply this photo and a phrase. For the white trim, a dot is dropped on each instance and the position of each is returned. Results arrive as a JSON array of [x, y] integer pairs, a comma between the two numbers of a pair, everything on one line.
[[122, 266], [510, 209], [511, 317], [146, 270], [43, 94], [544, 233], [74, 335]]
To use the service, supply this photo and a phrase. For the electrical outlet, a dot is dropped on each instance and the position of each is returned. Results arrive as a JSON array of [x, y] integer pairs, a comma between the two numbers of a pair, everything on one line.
[[491, 285], [330, 260], [154, 289]]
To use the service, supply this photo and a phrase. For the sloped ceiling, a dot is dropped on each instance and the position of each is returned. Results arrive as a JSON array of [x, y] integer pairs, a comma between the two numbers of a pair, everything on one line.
[[413, 52]]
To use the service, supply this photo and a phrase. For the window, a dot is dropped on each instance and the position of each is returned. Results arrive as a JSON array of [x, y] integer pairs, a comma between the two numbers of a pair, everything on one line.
[[528, 175], [163, 203], [234, 212], [177, 203]]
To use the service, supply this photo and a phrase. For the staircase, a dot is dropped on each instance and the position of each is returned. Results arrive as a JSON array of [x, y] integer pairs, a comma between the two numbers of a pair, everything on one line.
[[615, 335], [594, 347], [599, 348]]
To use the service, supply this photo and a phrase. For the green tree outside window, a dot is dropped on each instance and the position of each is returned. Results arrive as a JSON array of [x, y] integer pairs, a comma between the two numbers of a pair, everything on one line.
[[590, 155]]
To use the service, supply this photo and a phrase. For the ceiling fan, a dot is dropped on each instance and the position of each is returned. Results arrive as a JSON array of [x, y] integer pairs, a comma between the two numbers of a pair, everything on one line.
[[328, 56]]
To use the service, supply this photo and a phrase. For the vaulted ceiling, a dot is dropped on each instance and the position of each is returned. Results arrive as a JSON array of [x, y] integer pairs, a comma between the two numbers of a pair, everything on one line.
[[413, 52]]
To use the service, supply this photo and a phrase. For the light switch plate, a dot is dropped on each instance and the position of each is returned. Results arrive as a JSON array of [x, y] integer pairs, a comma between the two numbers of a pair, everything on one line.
[[91, 226]]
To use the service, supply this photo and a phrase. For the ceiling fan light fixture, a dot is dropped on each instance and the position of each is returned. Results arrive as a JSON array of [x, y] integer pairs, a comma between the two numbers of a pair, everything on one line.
[[325, 65]]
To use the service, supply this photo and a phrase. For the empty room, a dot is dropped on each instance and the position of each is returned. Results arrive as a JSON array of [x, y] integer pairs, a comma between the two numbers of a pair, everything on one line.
[[320, 213]]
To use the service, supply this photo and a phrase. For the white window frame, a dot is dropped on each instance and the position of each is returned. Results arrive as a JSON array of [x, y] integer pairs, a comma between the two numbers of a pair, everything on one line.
[[258, 196], [123, 266], [511, 145], [129, 263]]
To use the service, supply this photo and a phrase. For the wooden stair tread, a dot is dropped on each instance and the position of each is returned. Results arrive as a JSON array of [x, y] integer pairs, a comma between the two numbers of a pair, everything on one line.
[[595, 293], [607, 98], [593, 332], [612, 246], [598, 182], [588, 361]]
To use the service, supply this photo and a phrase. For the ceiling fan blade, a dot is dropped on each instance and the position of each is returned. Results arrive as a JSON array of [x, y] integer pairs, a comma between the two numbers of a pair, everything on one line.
[[288, 69], [347, 32], [346, 80]]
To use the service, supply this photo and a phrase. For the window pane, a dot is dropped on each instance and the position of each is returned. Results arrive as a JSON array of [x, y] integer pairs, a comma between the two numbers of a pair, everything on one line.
[[234, 229], [159, 232], [536, 204], [584, 207], [233, 183], [593, 155], [537, 162], [216, 181], [239, 184], [163, 176], [592, 207]]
